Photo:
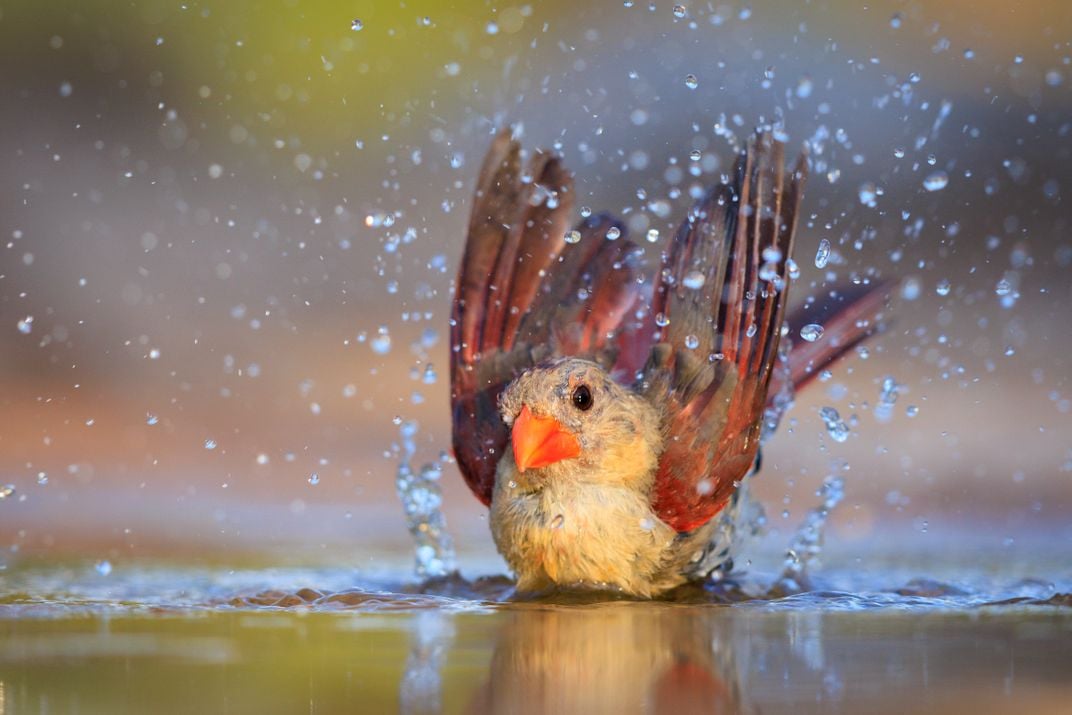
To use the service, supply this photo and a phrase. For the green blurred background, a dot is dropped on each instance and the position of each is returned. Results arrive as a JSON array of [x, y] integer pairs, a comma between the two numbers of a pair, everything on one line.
[[214, 213]]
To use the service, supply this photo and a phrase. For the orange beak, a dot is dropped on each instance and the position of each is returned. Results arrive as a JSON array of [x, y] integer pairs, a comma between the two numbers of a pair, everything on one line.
[[540, 441]]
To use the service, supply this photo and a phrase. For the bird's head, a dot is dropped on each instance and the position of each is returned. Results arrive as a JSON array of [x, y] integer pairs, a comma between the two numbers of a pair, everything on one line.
[[569, 416]]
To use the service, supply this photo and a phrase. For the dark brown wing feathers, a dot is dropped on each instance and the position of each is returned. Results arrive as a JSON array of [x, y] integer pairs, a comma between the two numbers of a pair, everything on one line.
[[712, 365], [524, 295]]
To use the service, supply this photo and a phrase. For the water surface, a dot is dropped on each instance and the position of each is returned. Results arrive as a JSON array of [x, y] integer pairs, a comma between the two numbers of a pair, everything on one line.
[[150, 637]]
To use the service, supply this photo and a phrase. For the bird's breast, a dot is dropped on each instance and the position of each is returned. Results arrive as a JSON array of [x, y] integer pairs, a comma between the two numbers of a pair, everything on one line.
[[579, 535]]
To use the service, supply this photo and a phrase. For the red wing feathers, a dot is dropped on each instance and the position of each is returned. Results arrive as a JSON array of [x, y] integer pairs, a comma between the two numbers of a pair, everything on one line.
[[848, 316], [524, 295], [712, 363], [590, 288]]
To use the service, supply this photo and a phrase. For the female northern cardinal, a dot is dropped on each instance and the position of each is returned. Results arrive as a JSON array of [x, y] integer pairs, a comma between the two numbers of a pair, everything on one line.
[[606, 440]]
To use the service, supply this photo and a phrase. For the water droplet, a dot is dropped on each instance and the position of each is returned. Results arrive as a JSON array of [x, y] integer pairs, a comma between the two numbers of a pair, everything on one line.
[[653, 235], [691, 81], [772, 254], [210, 444], [614, 233], [586, 211], [314, 479], [662, 320], [558, 521], [356, 25], [835, 426], [42, 478], [911, 410], [895, 21], [936, 181], [811, 332], [1003, 287], [886, 399], [694, 280], [867, 193], [679, 11], [25, 325], [104, 567], [692, 342], [381, 344], [7, 491], [429, 377], [695, 155], [898, 152], [943, 287], [262, 459], [647, 524], [151, 419], [573, 236]]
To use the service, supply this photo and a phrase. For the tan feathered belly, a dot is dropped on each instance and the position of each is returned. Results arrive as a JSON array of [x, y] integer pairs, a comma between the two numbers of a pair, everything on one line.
[[570, 534]]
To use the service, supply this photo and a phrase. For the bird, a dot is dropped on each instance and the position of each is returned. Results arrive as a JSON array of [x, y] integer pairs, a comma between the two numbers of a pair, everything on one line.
[[606, 414]]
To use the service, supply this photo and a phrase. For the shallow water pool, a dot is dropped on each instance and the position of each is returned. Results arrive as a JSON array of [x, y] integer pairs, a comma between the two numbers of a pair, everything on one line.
[[173, 638]]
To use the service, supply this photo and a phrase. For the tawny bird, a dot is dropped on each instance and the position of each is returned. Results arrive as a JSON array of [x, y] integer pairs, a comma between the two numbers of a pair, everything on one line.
[[607, 436]]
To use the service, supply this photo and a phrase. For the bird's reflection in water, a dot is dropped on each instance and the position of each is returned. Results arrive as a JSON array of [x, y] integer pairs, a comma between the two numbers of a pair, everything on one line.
[[619, 658]]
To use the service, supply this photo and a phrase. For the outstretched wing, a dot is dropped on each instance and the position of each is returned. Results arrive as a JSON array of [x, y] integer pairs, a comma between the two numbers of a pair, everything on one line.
[[848, 315], [525, 294], [719, 308]]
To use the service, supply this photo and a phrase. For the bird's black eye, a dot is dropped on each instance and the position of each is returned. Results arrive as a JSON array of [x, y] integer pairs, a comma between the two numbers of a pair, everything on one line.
[[582, 397]]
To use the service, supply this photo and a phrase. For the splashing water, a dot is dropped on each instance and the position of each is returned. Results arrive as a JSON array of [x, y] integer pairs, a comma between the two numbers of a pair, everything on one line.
[[835, 426], [742, 519], [422, 500], [781, 398], [822, 254], [887, 398], [811, 332], [804, 549]]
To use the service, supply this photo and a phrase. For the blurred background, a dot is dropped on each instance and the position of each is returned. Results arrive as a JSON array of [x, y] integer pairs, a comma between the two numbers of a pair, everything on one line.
[[229, 230]]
